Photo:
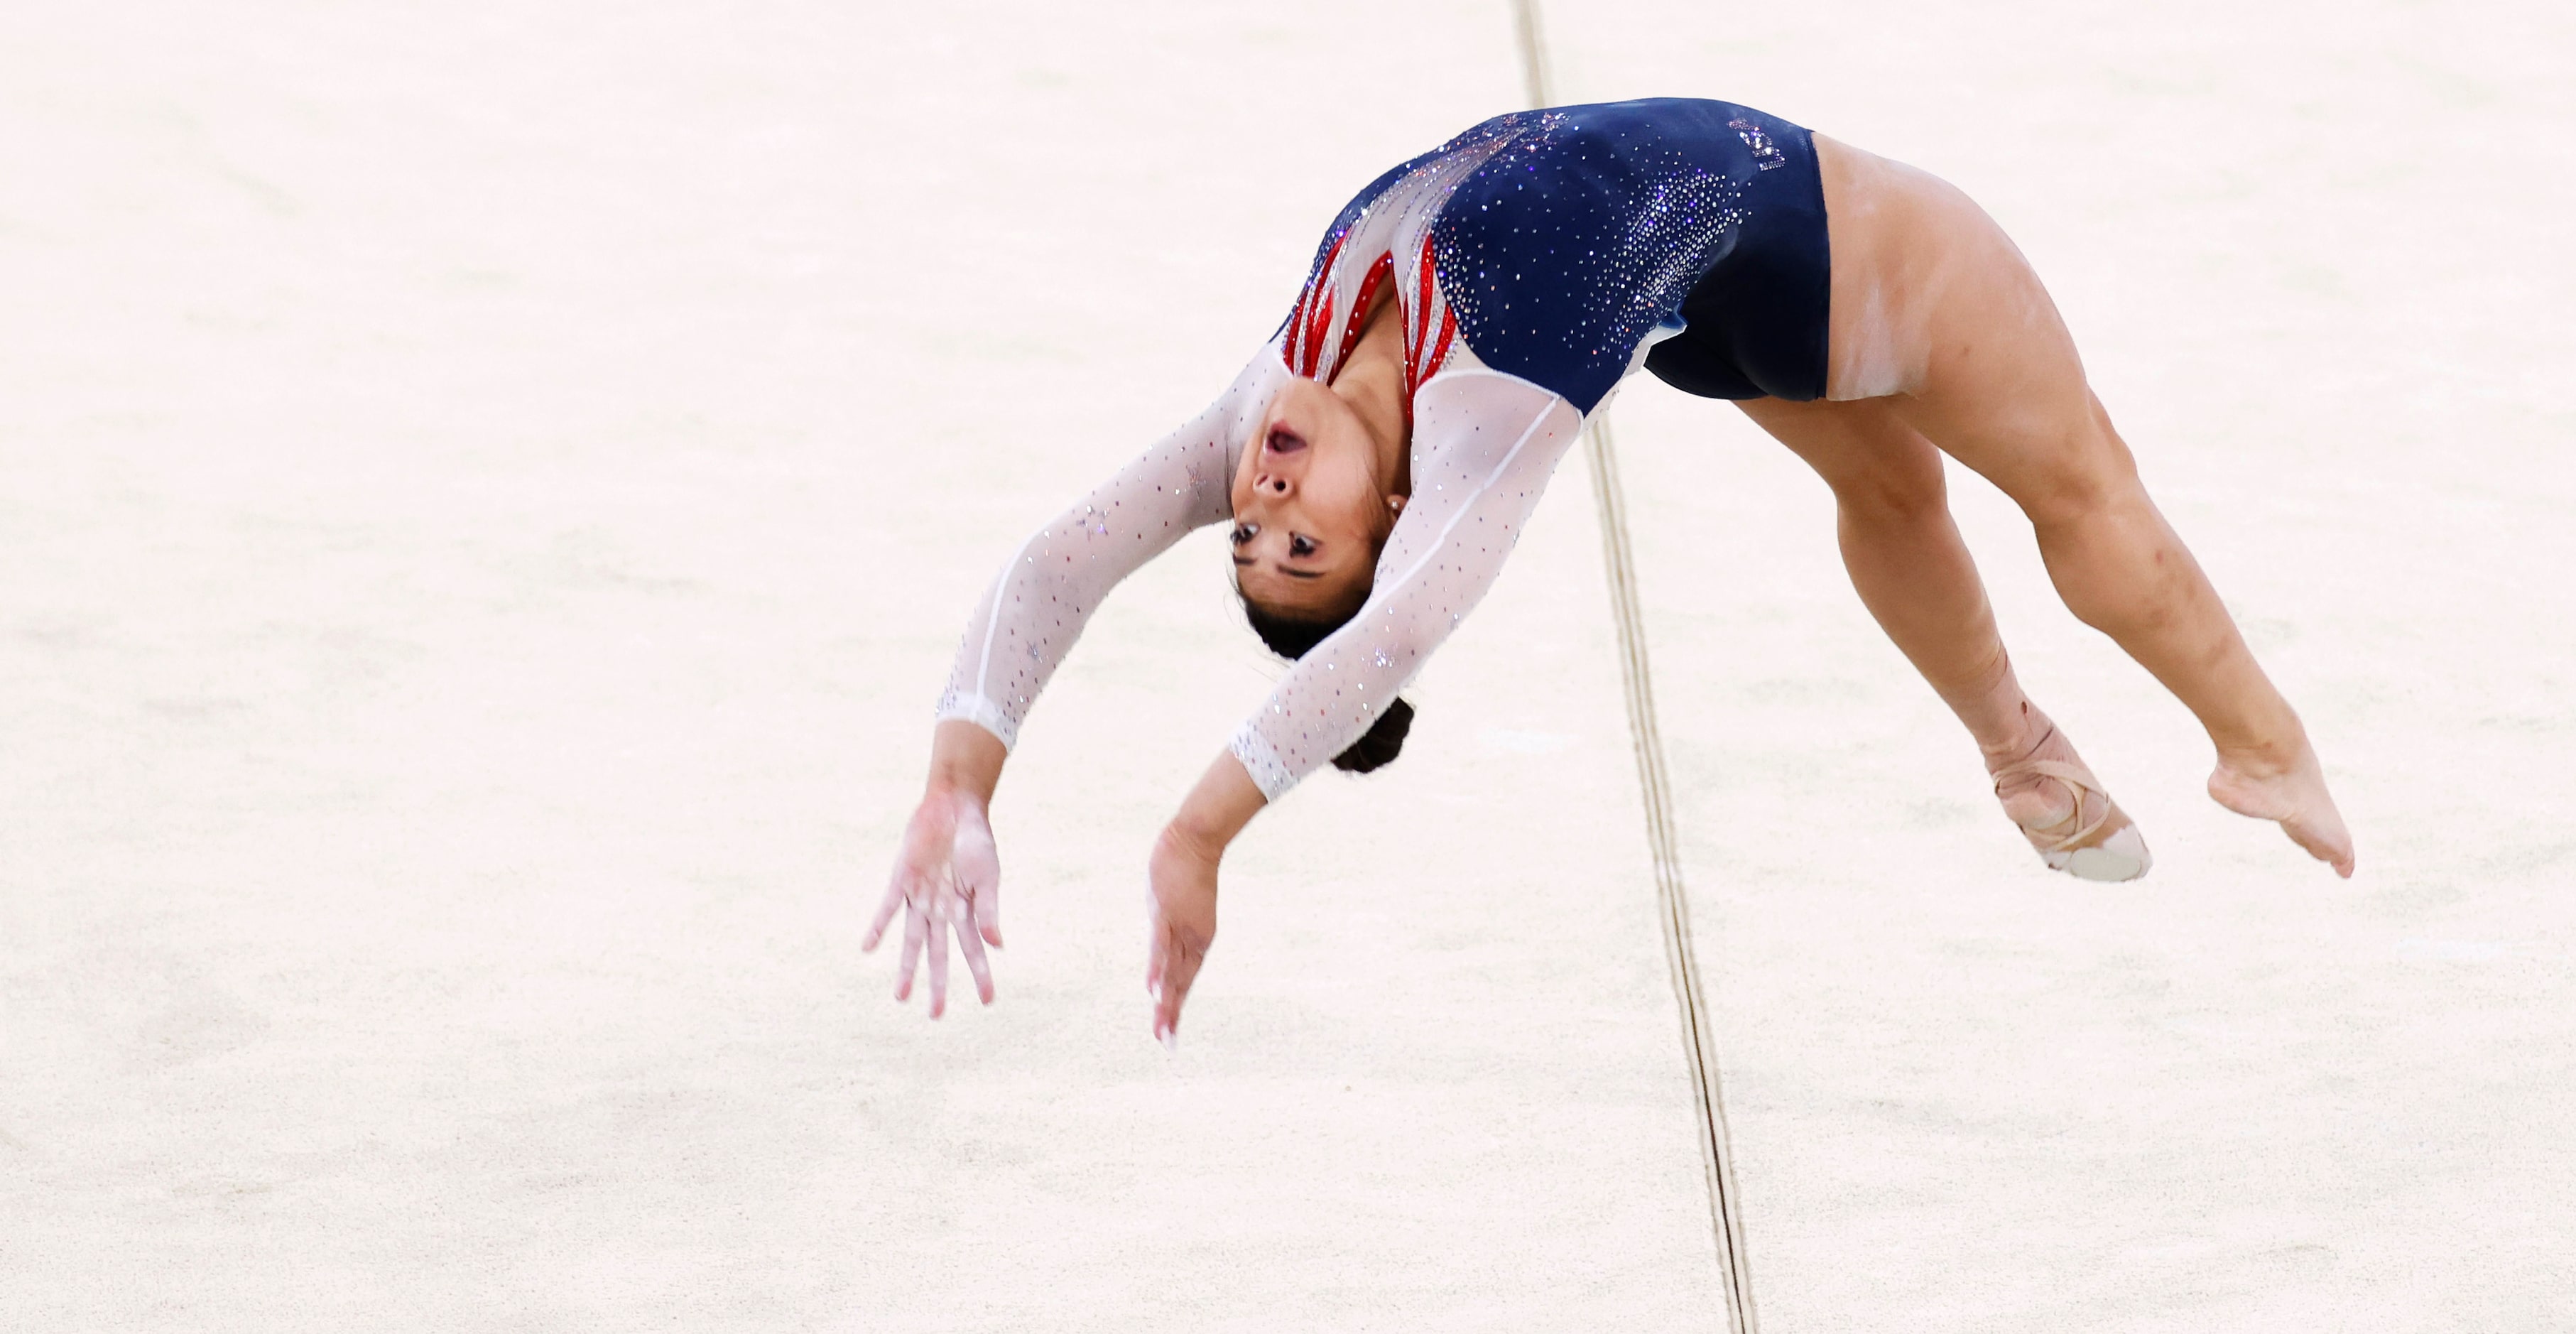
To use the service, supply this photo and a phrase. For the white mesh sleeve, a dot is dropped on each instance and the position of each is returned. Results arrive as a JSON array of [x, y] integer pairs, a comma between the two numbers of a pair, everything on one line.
[[1484, 446], [1037, 606]]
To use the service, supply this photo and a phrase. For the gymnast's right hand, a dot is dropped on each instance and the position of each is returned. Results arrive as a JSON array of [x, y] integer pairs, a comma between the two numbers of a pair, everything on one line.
[[948, 878]]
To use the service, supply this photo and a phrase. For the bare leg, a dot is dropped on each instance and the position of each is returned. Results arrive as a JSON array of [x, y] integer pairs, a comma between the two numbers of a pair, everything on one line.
[[1915, 575], [1970, 351], [1892, 517]]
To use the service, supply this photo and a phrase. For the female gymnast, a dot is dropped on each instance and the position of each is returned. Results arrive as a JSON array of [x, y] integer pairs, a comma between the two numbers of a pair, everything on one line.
[[1463, 316]]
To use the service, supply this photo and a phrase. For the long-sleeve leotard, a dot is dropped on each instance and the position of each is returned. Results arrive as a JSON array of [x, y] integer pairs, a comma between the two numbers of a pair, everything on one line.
[[1484, 445], [1534, 260]]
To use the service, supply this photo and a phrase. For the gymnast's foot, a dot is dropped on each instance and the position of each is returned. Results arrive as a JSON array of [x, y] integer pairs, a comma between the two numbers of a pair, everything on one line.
[[2292, 792], [2063, 810]]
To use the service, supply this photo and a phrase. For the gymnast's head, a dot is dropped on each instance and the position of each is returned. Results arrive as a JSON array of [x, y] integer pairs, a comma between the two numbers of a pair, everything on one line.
[[1314, 498], [1315, 495]]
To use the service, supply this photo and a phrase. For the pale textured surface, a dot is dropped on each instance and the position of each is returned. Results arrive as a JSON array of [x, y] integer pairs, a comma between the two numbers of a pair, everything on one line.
[[2314, 256], [491, 490]]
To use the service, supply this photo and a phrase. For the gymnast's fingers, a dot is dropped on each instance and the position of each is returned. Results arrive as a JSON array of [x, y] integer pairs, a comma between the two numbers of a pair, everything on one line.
[[941, 919], [1180, 960], [894, 897], [916, 924], [988, 915], [972, 946], [978, 867], [1155, 935]]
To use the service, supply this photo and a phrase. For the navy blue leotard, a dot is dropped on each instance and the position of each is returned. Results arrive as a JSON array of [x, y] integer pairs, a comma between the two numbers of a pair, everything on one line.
[[1532, 263], [1574, 236]]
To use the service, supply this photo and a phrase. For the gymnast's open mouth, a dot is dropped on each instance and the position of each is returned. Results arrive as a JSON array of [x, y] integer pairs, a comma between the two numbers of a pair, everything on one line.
[[1283, 441]]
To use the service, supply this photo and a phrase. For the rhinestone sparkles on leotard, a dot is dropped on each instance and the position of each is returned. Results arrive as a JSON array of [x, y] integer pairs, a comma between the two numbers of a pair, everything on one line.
[[1533, 261]]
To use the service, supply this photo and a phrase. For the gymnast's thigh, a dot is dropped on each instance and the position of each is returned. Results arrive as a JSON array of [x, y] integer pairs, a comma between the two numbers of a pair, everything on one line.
[[1938, 317], [1872, 458]]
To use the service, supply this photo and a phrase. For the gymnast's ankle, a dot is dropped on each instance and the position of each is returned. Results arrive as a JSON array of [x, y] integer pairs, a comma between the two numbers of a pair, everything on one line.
[[2017, 730], [2266, 758]]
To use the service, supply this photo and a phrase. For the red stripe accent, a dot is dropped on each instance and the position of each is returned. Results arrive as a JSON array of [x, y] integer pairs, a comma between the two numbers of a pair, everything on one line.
[[1311, 348], [1418, 327], [1297, 325], [1440, 351], [1296, 321], [1314, 343], [1359, 306], [1305, 324]]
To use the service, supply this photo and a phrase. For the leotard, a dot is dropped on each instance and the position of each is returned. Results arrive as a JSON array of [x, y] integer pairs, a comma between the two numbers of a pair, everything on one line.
[[1536, 260]]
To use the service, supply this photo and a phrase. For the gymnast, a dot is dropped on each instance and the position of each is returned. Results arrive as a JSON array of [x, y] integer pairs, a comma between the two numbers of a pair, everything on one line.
[[1464, 314]]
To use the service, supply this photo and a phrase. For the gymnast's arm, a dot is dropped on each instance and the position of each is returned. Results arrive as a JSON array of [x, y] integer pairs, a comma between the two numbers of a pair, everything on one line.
[[1485, 445], [947, 876]]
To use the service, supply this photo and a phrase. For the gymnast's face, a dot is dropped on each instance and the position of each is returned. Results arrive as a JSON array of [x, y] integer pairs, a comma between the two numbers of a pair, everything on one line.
[[1310, 508]]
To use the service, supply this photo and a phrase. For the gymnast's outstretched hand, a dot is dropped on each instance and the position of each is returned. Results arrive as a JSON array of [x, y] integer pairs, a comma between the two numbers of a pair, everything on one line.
[[1181, 903], [1182, 924], [948, 877]]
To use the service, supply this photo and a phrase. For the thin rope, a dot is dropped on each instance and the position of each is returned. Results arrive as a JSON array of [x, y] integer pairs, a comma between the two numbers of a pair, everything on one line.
[[1699, 1038]]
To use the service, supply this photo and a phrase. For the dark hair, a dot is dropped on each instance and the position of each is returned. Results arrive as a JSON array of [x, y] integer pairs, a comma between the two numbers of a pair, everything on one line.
[[1291, 639]]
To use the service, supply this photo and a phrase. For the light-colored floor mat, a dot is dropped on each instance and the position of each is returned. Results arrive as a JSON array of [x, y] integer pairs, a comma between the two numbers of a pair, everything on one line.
[[489, 491]]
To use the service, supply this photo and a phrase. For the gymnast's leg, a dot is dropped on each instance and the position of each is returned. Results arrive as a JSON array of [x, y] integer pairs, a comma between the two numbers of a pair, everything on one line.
[[1914, 574], [1967, 348]]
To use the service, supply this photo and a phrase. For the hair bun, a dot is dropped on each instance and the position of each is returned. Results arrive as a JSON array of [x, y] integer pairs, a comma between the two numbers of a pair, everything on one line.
[[1385, 741]]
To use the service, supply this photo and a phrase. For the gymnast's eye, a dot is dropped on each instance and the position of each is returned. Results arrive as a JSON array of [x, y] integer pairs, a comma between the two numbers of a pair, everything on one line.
[[1243, 532], [1300, 545]]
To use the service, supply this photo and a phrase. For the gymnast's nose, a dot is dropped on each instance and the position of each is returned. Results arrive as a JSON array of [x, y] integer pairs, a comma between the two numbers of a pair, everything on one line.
[[1271, 483]]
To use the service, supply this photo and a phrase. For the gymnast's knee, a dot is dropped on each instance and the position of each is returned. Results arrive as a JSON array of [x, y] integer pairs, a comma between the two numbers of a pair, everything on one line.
[[2085, 479], [1893, 492]]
